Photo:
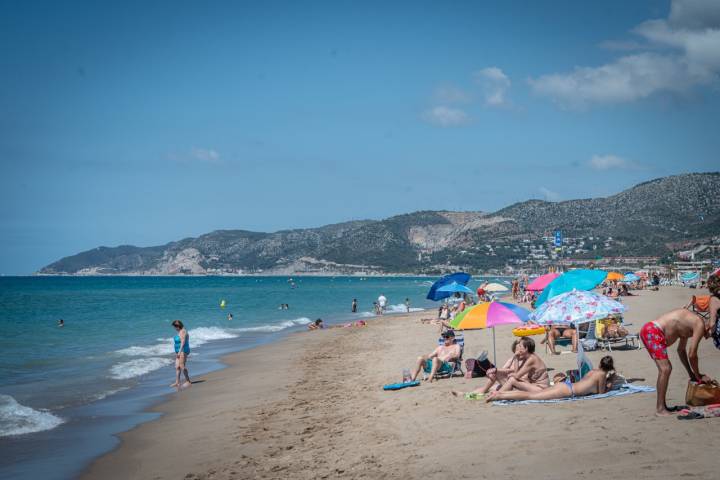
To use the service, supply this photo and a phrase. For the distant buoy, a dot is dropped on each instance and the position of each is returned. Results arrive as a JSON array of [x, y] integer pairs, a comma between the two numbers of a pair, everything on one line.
[[222, 303]]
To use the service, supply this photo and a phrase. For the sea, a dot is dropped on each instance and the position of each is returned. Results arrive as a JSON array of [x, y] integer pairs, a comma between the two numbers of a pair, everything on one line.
[[66, 392]]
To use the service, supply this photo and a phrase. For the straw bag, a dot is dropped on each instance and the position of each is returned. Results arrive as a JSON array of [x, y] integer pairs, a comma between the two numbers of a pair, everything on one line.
[[700, 394]]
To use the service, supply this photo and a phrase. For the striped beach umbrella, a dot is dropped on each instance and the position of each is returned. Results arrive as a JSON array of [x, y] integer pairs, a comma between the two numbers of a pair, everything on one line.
[[489, 315]]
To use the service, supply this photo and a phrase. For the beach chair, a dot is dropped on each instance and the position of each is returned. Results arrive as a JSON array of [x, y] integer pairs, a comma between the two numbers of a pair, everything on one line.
[[456, 366], [700, 304], [582, 334], [606, 343]]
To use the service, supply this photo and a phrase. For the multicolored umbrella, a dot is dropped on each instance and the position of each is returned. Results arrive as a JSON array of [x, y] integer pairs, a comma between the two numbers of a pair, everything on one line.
[[541, 282], [576, 307], [489, 315], [572, 280]]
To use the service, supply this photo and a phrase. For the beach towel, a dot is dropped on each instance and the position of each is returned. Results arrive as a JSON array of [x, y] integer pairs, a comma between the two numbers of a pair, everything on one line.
[[626, 390], [398, 386]]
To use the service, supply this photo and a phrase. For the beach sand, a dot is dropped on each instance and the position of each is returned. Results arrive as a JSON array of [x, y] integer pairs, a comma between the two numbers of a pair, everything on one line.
[[312, 406]]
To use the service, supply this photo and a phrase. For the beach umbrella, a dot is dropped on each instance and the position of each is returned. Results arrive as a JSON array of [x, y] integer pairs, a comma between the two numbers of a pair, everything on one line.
[[630, 277], [455, 288], [496, 287], [614, 276], [572, 280], [459, 277], [576, 307], [490, 315], [541, 282]]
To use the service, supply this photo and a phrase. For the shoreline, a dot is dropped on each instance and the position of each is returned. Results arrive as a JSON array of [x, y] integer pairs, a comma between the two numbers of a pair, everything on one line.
[[310, 405]]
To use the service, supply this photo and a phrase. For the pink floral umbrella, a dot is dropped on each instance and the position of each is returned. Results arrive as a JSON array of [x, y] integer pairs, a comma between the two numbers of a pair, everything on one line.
[[577, 306]]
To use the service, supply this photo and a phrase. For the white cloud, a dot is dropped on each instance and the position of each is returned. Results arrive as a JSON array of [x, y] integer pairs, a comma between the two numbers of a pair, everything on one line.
[[691, 38], [207, 155], [494, 84], [445, 116], [549, 195], [607, 162]]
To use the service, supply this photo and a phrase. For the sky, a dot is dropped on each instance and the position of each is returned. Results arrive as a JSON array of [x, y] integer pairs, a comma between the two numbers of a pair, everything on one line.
[[146, 122]]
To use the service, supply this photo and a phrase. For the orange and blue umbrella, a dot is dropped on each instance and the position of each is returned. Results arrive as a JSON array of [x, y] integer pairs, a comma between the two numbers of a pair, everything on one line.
[[490, 315]]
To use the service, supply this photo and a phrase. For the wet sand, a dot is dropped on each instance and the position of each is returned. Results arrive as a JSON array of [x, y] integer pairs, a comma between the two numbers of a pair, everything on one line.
[[312, 406]]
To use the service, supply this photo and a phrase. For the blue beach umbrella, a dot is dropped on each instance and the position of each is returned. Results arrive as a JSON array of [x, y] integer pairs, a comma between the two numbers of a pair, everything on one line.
[[569, 281], [455, 288], [630, 277], [461, 278]]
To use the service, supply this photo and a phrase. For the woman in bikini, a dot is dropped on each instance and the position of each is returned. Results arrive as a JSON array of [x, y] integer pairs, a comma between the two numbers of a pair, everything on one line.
[[599, 380]]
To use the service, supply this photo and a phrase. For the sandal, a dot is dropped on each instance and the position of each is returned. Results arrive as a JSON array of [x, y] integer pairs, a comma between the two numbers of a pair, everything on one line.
[[691, 416]]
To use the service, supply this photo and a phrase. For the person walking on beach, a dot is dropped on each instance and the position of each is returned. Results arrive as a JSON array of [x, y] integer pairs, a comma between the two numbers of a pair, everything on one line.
[[381, 301], [353, 307], [681, 325], [407, 305], [182, 351]]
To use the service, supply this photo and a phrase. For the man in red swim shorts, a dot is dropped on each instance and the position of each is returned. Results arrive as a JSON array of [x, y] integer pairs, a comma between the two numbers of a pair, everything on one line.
[[680, 324]]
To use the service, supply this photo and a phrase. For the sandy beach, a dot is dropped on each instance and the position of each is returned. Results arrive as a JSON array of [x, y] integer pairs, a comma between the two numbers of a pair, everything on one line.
[[312, 406]]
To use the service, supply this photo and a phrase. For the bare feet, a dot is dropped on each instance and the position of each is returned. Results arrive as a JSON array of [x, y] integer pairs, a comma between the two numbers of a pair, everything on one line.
[[491, 396], [174, 384], [663, 413], [186, 385]]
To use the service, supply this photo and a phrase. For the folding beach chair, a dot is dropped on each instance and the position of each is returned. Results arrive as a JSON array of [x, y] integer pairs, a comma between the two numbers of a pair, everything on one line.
[[700, 304], [605, 342], [455, 366]]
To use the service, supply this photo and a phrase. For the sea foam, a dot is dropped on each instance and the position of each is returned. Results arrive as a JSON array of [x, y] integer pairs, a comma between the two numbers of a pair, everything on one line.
[[138, 367], [16, 419]]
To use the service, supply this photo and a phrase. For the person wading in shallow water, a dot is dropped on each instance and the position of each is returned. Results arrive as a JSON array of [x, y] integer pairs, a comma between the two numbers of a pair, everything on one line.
[[182, 351]]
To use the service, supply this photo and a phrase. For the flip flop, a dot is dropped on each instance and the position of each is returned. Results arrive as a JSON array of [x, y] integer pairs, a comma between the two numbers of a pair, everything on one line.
[[691, 416], [677, 408]]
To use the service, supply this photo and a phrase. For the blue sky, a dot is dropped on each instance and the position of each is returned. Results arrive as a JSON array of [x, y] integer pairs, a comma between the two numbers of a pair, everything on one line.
[[146, 122]]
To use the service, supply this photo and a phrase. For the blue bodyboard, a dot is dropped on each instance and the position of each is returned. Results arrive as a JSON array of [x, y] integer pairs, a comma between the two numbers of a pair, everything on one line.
[[398, 386]]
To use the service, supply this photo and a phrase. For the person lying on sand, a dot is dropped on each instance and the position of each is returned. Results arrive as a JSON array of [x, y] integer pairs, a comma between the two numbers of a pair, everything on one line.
[[440, 357], [599, 380], [657, 335], [523, 371]]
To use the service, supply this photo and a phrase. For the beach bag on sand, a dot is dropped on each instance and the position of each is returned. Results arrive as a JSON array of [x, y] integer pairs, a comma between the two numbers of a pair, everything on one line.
[[699, 394], [477, 367]]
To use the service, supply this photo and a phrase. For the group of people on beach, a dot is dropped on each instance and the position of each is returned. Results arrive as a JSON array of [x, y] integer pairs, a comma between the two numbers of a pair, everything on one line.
[[525, 375]]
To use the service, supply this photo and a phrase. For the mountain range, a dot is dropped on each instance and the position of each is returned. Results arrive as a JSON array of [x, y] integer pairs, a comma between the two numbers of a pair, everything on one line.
[[654, 218]]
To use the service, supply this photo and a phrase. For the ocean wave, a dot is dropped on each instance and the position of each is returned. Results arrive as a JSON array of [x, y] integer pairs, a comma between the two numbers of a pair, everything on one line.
[[16, 419], [401, 308], [198, 336], [276, 328], [138, 367]]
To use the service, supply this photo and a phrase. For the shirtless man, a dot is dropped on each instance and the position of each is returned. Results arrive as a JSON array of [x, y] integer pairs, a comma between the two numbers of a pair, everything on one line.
[[444, 354], [682, 325]]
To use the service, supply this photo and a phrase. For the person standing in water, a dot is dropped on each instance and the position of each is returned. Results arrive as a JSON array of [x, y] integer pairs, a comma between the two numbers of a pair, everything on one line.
[[354, 305], [230, 316], [182, 351], [61, 323], [407, 305]]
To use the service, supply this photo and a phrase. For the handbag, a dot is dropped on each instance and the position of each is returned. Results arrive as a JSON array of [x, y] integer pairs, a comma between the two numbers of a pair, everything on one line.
[[477, 367], [700, 394]]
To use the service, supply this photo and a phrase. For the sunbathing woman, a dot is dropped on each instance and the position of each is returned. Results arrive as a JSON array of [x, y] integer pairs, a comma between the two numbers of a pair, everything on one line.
[[598, 380]]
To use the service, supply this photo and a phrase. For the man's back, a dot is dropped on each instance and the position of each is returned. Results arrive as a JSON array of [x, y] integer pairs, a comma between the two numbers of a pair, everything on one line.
[[679, 323]]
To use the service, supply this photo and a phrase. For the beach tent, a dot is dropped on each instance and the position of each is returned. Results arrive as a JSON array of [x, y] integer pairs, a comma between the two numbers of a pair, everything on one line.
[[572, 280], [541, 282], [459, 277]]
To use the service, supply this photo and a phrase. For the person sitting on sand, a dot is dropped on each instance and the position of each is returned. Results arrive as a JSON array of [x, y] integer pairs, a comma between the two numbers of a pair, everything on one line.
[[523, 371], [440, 358], [657, 335], [182, 352], [561, 332], [316, 325], [599, 380]]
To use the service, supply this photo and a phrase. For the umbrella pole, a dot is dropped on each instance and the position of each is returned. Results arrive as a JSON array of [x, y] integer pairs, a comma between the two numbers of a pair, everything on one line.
[[494, 355]]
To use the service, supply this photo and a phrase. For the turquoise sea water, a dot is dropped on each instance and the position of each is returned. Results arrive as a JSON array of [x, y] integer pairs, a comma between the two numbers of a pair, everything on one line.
[[116, 345]]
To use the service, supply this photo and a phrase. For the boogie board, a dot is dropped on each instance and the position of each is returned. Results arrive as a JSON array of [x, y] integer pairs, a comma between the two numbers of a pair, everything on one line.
[[398, 386]]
